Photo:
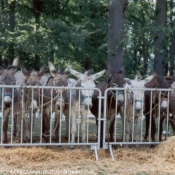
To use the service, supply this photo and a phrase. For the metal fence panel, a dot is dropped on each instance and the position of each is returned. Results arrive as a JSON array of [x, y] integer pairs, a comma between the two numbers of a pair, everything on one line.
[[31, 122], [120, 128]]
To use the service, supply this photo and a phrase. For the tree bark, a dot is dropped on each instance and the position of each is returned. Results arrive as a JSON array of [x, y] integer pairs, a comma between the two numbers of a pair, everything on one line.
[[172, 54], [160, 51], [38, 5], [172, 40], [12, 29], [116, 33]]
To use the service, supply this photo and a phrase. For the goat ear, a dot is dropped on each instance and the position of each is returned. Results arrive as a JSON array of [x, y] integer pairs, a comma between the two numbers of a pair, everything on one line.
[[13, 68], [24, 71], [15, 61], [41, 71], [98, 75], [52, 68], [148, 79], [75, 73]]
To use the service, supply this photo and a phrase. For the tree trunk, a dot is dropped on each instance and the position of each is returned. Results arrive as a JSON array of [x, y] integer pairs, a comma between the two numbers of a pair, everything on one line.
[[172, 53], [87, 63], [12, 29], [160, 51], [116, 33], [172, 40], [37, 13], [37, 62], [1, 28]]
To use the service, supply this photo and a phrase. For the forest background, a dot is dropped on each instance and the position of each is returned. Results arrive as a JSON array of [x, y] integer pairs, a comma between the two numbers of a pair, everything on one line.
[[138, 35]]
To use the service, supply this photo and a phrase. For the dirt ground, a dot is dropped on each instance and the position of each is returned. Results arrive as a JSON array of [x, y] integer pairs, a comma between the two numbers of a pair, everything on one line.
[[61, 160]]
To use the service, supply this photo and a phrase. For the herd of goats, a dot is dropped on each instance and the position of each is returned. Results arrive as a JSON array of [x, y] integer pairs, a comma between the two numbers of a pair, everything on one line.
[[152, 97]]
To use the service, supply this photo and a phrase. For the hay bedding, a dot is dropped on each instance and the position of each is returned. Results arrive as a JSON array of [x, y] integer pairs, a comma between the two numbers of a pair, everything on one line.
[[145, 161]]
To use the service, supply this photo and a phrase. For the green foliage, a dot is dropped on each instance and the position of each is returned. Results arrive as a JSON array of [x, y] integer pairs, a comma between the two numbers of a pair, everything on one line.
[[75, 32], [140, 33], [68, 31]]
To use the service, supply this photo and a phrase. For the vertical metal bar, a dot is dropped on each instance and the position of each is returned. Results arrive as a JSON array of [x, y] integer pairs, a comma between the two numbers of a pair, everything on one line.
[[12, 114], [111, 152], [42, 102], [115, 116], [142, 115], [60, 115], [99, 119], [150, 115], [104, 120], [87, 120], [78, 120], [158, 122], [2, 119], [87, 127], [70, 111], [133, 116], [168, 115], [50, 117], [95, 150], [125, 113], [31, 117], [23, 117]]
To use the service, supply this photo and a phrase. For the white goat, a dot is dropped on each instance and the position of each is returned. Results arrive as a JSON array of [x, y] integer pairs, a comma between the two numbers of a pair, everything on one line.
[[134, 107]]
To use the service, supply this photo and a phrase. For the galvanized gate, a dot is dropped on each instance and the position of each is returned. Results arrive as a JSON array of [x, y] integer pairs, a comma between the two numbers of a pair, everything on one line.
[[32, 121], [119, 136]]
